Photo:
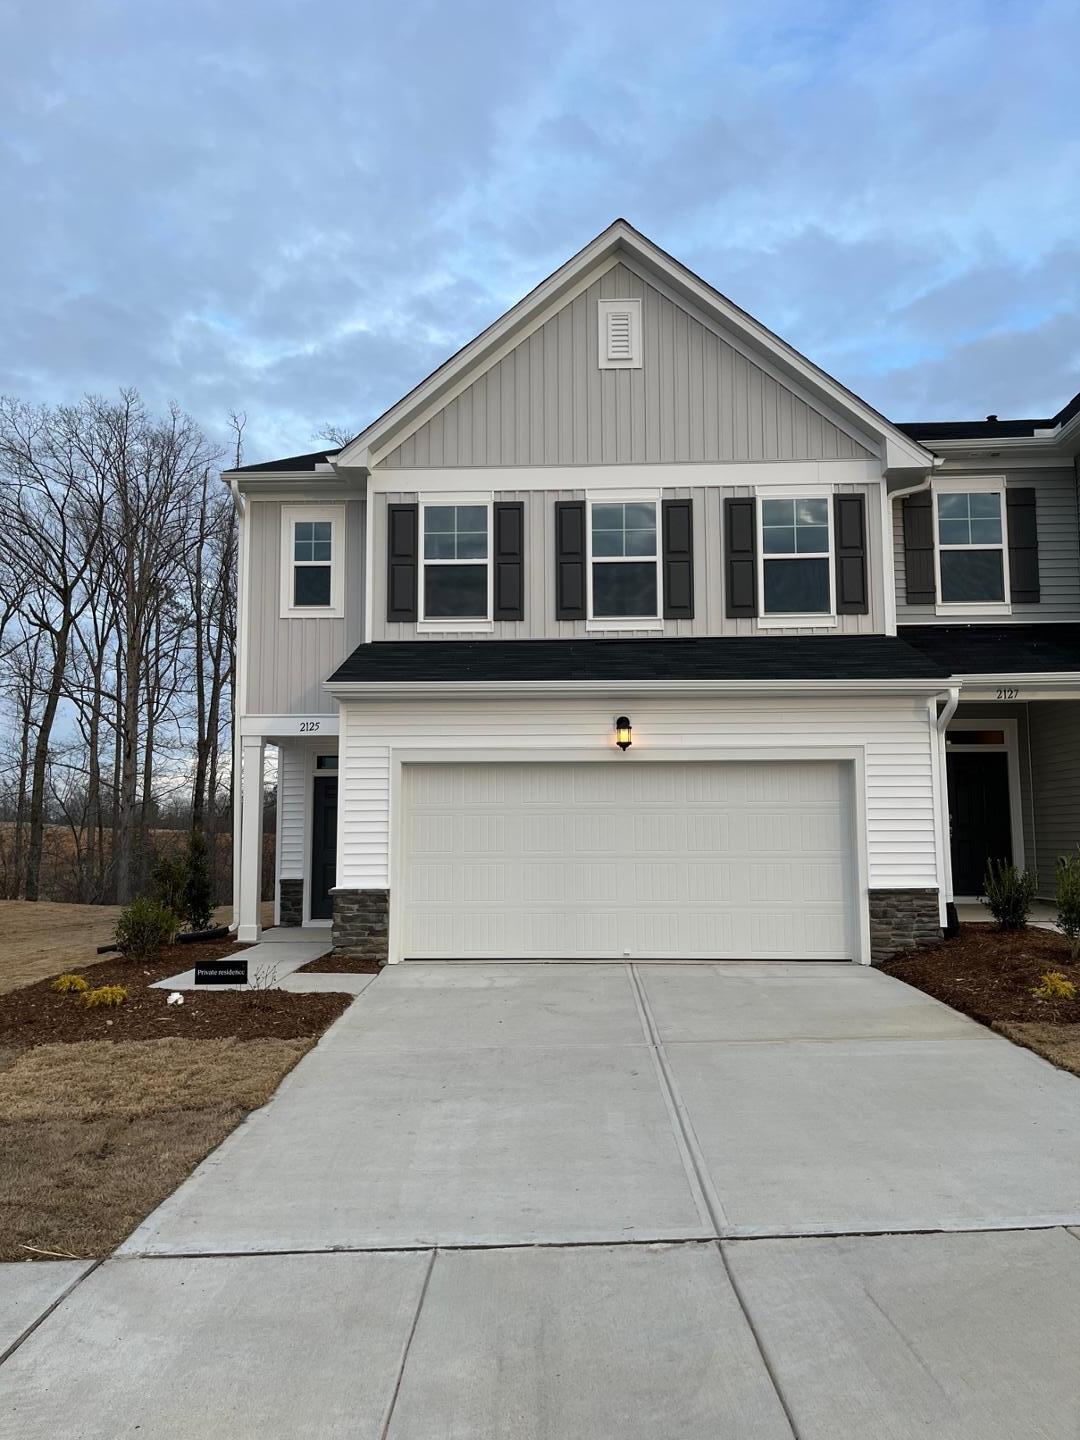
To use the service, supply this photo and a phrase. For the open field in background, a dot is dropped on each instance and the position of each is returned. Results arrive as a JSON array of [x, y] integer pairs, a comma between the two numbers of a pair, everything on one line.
[[43, 938]]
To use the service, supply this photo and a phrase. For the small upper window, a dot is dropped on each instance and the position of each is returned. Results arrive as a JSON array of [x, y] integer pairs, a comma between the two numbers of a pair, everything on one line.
[[625, 561], [456, 573], [971, 551], [311, 568], [796, 567]]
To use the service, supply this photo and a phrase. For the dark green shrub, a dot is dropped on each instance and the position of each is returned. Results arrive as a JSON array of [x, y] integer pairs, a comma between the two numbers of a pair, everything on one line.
[[168, 877], [197, 893], [1067, 894], [144, 927], [1009, 894]]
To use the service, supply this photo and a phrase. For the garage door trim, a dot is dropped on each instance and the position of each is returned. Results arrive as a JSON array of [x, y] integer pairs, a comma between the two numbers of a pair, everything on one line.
[[640, 754]]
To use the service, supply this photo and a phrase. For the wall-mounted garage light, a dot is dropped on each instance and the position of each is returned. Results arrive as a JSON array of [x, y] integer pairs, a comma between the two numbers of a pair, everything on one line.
[[623, 736]]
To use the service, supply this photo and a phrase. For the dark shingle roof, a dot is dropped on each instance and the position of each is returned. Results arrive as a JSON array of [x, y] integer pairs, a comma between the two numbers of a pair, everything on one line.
[[999, 429], [800, 657], [293, 462], [997, 649]]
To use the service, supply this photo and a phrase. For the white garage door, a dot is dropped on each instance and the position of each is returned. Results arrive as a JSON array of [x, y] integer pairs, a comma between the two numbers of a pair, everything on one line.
[[601, 860]]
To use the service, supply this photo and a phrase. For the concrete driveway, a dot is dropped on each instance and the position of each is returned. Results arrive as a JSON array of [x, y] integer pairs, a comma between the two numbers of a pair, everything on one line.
[[604, 1200]]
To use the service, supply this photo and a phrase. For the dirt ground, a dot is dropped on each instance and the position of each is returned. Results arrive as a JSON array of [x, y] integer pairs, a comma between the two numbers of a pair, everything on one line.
[[42, 938], [990, 975], [103, 1112]]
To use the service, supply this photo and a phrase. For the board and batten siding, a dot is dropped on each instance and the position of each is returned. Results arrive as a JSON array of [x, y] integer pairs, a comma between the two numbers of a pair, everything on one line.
[[288, 660], [695, 398], [539, 621], [1059, 552], [894, 732], [1054, 728]]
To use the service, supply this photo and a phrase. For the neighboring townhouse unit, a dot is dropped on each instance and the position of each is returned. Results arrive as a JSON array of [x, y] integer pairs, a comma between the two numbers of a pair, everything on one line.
[[631, 633]]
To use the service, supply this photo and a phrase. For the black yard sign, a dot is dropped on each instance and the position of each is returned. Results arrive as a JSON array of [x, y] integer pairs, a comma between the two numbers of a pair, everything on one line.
[[221, 972]]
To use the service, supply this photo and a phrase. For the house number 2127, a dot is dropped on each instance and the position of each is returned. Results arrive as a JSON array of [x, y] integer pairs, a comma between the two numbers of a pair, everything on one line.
[[1007, 694], [310, 727]]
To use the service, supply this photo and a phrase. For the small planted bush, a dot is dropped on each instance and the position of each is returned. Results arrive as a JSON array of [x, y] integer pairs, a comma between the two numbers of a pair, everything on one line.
[[168, 878], [1068, 901], [70, 984], [144, 927], [1055, 986], [1009, 894], [105, 995], [197, 892]]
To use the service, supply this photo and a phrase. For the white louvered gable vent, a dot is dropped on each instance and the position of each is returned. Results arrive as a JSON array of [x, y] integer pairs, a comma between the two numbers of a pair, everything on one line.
[[619, 334]]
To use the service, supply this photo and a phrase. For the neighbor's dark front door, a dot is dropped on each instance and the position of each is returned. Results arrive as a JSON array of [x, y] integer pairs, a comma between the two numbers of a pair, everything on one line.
[[323, 846], [980, 823]]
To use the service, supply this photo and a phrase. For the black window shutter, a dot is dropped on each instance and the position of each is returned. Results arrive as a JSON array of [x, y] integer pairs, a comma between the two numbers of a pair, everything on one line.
[[570, 559], [740, 557], [1023, 545], [921, 578], [678, 559], [402, 561], [849, 525], [508, 523]]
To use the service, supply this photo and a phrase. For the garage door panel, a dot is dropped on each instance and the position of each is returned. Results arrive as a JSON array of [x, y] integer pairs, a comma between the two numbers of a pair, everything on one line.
[[703, 860]]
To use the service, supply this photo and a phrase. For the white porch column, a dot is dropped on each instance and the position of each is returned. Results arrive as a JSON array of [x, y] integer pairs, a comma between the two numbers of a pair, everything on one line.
[[251, 817]]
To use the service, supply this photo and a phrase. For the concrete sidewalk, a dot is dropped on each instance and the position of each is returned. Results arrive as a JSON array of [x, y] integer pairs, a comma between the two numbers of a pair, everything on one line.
[[518, 1192]]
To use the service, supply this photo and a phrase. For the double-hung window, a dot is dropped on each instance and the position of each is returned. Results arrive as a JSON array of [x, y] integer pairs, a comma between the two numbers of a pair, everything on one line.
[[796, 556], [456, 546], [312, 569], [971, 547], [624, 560]]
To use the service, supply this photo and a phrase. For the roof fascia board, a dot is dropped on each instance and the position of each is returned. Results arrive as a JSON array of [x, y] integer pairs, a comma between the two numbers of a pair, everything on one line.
[[412, 689], [303, 484]]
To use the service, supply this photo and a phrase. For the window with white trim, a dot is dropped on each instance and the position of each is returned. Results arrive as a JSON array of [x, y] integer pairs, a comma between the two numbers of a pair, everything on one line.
[[970, 533], [624, 560], [456, 574], [312, 561], [796, 551]]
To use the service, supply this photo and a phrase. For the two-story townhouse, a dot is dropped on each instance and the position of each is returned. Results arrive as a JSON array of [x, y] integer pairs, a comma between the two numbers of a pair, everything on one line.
[[631, 632]]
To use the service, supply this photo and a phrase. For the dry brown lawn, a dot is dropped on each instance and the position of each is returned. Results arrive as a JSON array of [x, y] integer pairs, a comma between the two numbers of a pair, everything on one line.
[[94, 1135], [1060, 1044], [43, 938]]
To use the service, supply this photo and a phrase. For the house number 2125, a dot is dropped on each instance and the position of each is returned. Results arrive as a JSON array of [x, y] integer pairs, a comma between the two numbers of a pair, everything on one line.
[[1007, 694], [310, 727]]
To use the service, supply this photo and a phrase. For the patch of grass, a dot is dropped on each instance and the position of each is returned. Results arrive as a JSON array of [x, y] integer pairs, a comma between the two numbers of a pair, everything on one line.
[[1060, 1044], [95, 1134]]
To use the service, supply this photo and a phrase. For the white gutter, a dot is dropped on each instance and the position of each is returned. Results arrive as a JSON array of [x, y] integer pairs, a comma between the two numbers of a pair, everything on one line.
[[237, 498], [500, 689]]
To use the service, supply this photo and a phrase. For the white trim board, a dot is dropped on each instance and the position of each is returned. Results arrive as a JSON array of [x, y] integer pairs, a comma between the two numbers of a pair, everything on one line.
[[1011, 749], [823, 474]]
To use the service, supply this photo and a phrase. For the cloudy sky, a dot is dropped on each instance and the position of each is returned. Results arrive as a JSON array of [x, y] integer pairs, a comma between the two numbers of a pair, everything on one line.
[[298, 209]]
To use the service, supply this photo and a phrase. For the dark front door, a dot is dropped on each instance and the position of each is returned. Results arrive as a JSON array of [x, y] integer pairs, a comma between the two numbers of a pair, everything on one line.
[[323, 846], [980, 823]]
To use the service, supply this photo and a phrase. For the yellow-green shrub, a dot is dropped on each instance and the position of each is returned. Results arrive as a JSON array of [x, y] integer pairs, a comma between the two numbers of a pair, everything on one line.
[[1055, 986], [69, 984], [105, 995]]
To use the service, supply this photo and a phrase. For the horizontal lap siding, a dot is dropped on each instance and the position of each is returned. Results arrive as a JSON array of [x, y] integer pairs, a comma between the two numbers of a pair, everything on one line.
[[288, 660], [539, 622], [895, 732], [695, 398], [293, 763], [1055, 765], [1059, 553]]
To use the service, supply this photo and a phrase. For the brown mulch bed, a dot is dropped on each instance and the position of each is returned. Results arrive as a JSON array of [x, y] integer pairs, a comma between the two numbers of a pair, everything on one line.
[[37, 1015], [338, 965], [989, 974]]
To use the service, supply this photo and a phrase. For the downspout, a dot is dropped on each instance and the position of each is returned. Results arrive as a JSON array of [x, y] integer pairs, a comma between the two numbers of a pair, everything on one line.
[[951, 697]]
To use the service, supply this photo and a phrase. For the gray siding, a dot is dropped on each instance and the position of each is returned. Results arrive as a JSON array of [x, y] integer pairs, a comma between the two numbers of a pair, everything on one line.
[[695, 398], [1059, 553], [288, 660], [540, 622], [1055, 766]]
